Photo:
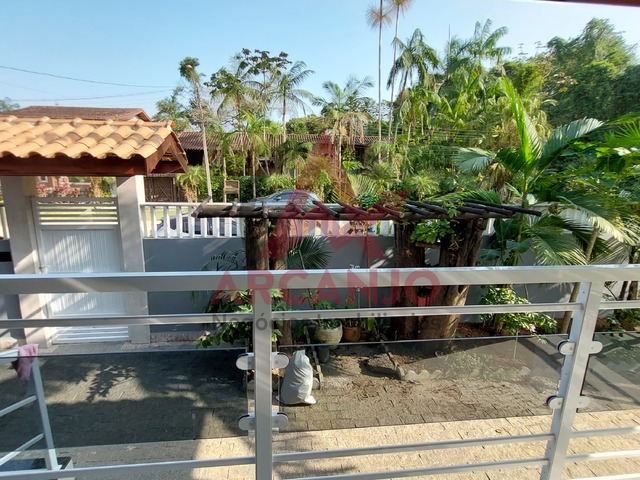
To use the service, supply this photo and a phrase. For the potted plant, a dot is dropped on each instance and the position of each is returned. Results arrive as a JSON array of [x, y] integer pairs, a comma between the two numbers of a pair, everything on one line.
[[351, 327], [327, 330]]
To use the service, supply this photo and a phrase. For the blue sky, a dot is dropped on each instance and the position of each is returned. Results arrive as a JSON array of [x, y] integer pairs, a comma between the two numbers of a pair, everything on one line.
[[141, 42]]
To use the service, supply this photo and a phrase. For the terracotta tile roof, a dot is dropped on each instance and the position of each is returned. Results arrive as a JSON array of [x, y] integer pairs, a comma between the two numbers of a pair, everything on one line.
[[44, 146], [86, 113], [193, 140]]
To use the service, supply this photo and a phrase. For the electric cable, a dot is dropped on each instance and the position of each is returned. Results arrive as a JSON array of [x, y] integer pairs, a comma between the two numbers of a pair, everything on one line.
[[83, 80]]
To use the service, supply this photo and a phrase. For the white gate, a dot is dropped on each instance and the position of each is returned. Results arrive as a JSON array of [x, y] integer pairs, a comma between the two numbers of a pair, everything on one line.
[[81, 235]]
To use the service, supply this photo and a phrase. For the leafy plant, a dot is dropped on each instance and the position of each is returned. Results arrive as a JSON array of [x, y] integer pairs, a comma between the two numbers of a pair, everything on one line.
[[316, 304], [512, 323], [351, 322], [237, 301], [367, 200], [430, 231]]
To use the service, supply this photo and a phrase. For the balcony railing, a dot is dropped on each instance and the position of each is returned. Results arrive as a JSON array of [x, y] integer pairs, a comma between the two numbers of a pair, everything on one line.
[[4, 226], [547, 448]]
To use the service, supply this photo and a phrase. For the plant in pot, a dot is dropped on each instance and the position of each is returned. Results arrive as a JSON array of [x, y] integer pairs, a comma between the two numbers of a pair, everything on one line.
[[351, 327], [328, 330]]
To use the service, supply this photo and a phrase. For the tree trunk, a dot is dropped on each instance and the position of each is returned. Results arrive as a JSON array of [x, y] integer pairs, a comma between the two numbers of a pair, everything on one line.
[[278, 248], [284, 118], [253, 174], [256, 243], [380, 84], [407, 255], [633, 285], [459, 249], [393, 80]]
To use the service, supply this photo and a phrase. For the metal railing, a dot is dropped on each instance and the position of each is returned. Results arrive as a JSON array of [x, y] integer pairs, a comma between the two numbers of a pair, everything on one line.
[[4, 226], [576, 351]]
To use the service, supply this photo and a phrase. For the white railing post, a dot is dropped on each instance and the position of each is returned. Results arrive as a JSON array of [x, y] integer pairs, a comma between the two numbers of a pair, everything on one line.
[[263, 390], [577, 350], [50, 459]]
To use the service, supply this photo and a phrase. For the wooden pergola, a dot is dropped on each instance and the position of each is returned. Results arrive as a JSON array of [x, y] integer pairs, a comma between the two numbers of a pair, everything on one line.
[[458, 249]]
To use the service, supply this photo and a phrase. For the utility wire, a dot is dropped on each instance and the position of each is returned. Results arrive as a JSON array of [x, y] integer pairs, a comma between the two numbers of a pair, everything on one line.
[[82, 80], [84, 98]]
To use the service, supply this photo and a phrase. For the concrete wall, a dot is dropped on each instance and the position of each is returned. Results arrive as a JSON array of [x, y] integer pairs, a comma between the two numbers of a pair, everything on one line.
[[174, 255], [9, 304]]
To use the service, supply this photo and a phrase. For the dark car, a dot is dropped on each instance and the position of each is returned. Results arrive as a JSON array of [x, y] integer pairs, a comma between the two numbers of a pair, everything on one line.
[[302, 198]]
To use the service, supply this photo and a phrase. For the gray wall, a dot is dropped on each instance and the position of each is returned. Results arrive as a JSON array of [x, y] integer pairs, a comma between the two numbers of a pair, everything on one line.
[[172, 255], [9, 305]]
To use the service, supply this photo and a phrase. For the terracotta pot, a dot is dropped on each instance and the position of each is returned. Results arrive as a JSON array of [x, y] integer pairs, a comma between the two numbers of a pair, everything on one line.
[[351, 334]]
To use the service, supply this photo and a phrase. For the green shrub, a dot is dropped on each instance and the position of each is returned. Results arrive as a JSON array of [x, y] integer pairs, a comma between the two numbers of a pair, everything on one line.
[[512, 323]]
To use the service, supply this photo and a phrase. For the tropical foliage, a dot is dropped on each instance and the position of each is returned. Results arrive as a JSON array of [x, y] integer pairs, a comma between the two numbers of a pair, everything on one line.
[[552, 131]]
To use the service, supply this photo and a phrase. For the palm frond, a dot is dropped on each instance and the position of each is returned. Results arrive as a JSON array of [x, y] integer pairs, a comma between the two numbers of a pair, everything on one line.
[[309, 252], [473, 159], [362, 184], [561, 137], [553, 245]]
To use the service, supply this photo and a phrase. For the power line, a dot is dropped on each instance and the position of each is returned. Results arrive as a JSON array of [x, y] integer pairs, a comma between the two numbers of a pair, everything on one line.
[[84, 98], [82, 80]]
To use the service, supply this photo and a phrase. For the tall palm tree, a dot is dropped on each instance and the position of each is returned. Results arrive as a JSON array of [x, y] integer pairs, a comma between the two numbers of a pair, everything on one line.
[[414, 63], [188, 71], [255, 142], [377, 17], [398, 8], [345, 109], [484, 43], [287, 92]]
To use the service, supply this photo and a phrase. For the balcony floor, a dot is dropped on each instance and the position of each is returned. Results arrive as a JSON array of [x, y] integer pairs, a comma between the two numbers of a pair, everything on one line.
[[335, 439], [185, 404]]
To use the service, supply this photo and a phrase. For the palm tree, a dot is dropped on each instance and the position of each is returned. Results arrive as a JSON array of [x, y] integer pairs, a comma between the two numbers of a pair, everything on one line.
[[484, 44], [293, 155], [190, 182], [188, 71], [287, 91], [528, 165], [377, 17], [255, 132], [345, 109], [398, 7], [414, 63], [231, 94]]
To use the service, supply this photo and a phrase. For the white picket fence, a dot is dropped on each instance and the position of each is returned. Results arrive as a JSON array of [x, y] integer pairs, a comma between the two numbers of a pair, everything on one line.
[[178, 216]]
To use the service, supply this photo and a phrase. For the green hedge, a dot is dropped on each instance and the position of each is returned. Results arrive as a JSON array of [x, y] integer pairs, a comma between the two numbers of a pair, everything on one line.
[[246, 189]]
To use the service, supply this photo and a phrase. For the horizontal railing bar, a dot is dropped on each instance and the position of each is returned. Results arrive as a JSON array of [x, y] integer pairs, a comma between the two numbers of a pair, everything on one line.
[[605, 431], [534, 462], [423, 311], [619, 305], [285, 315], [127, 320], [100, 471], [21, 448], [16, 406], [624, 476], [384, 449], [585, 457], [300, 279]]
